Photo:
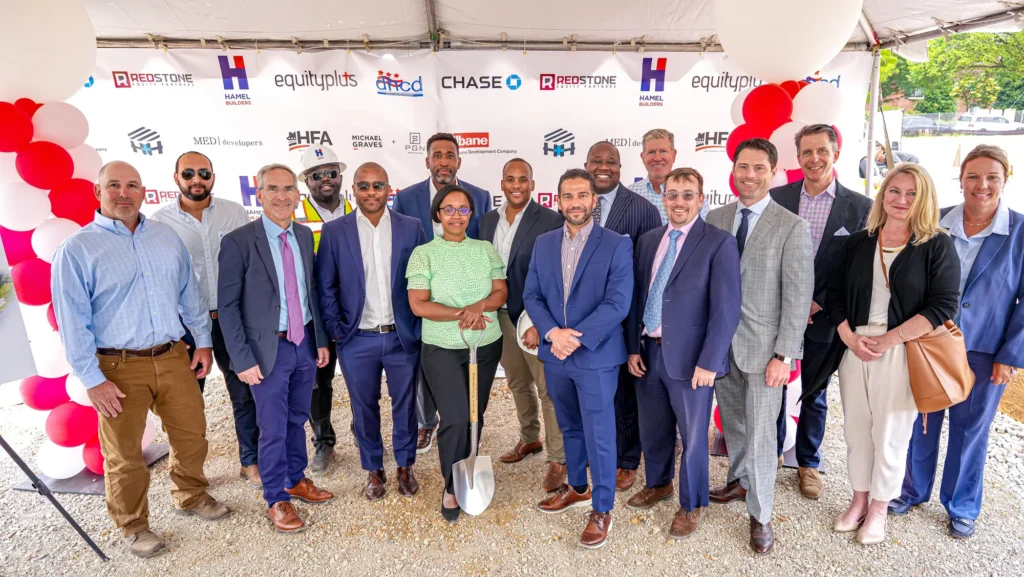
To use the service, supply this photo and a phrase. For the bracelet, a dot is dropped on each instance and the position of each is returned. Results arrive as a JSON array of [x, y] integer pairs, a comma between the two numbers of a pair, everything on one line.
[[900, 333]]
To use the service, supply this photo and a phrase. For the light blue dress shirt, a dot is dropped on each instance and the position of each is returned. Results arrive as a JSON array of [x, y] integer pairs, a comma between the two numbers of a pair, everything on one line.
[[755, 214], [607, 200], [273, 237], [645, 189], [968, 248], [117, 290]]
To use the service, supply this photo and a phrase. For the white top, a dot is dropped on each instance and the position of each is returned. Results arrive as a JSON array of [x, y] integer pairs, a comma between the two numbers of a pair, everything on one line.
[[202, 239], [327, 215], [505, 234], [878, 312], [375, 245]]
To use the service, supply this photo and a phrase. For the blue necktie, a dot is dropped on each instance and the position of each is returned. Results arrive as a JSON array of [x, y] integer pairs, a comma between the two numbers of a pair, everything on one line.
[[741, 232], [652, 312]]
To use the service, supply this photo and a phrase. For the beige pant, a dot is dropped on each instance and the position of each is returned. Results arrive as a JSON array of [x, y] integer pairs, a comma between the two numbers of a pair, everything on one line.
[[879, 413], [523, 370]]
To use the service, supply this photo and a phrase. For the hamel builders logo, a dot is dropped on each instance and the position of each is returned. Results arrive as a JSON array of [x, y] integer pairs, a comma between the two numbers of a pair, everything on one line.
[[146, 141], [652, 78], [711, 141], [236, 82], [247, 186], [301, 140], [390, 84]]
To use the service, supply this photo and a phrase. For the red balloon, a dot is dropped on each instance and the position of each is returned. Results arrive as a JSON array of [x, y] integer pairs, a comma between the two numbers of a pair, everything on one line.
[[839, 138], [74, 200], [93, 456], [17, 245], [795, 372], [28, 106], [51, 317], [71, 424], [15, 128], [32, 282], [44, 394], [769, 106], [741, 133], [791, 87], [44, 165], [794, 175], [718, 420]]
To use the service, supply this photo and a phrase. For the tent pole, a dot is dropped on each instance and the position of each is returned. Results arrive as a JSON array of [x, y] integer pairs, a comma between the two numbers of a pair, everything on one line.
[[435, 36], [869, 164]]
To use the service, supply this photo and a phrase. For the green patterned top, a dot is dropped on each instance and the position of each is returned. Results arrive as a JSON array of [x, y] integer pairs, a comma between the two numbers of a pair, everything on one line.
[[457, 274]]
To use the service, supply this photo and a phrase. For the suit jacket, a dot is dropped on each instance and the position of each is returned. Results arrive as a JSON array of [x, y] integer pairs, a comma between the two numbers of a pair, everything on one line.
[[849, 211], [339, 269], [777, 279], [248, 298], [700, 308], [598, 302], [536, 220], [632, 215], [415, 201]]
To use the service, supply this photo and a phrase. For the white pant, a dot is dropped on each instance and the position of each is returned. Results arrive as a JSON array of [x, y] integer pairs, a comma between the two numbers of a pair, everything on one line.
[[879, 413]]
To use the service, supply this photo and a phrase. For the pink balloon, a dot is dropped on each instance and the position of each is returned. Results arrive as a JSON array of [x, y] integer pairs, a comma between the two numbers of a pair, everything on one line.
[[44, 394], [72, 425], [718, 420], [17, 245], [794, 175], [795, 373], [93, 456], [32, 282]]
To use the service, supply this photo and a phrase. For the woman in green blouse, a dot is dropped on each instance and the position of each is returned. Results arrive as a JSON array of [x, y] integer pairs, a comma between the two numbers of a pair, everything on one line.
[[456, 283]]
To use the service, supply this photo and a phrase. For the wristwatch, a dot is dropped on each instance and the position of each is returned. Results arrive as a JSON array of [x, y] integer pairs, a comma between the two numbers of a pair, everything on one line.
[[785, 360]]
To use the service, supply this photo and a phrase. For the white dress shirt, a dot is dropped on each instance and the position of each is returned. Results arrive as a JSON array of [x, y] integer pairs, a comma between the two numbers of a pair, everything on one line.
[[505, 234], [375, 245], [755, 213]]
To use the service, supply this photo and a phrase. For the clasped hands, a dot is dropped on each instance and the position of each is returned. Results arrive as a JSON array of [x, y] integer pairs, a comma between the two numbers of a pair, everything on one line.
[[564, 342], [471, 318]]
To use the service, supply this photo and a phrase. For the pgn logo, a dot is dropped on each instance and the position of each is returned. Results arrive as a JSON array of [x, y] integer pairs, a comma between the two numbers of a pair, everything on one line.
[[558, 142], [653, 71], [389, 84], [248, 190]]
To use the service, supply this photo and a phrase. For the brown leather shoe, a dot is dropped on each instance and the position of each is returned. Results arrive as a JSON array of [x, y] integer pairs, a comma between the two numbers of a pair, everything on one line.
[[375, 488], [521, 451], [624, 479], [251, 474], [424, 439], [649, 497], [145, 544], [728, 493], [307, 492], [564, 499], [284, 517], [407, 483], [595, 535], [209, 509], [554, 478], [762, 537], [685, 523], [810, 482]]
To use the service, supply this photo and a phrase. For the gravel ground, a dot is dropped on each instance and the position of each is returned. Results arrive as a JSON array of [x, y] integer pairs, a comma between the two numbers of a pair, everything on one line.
[[408, 537]]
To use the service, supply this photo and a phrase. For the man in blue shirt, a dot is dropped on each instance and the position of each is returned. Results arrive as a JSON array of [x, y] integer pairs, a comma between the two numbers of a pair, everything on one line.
[[119, 286]]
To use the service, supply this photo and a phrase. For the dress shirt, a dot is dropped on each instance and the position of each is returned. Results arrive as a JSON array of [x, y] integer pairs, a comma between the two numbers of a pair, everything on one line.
[[968, 248], [438, 229], [375, 244], [755, 213], [274, 238], [202, 238], [660, 256], [118, 290], [815, 210], [572, 248], [646, 189], [327, 215], [606, 200], [504, 234]]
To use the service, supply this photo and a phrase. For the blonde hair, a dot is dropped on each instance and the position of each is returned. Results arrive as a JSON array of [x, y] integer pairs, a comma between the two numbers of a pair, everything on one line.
[[261, 176], [923, 218], [987, 151], [656, 133]]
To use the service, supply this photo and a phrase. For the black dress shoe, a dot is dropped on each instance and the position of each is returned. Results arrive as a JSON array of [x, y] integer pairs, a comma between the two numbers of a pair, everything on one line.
[[322, 459], [450, 515]]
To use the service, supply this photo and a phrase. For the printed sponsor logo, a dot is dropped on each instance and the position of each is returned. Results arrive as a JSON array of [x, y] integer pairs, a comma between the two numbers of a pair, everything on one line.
[[219, 141], [89, 83], [125, 79], [146, 141], [546, 199], [415, 145], [310, 79], [711, 141], [626, 142], [473, 139], [235, 79], [361, 141], [816, 77], [555, 81], [247, 186], [301, 140], [391, 84], [725, 81], [558, 142], [512, 82], [160, 196], [652, 78]]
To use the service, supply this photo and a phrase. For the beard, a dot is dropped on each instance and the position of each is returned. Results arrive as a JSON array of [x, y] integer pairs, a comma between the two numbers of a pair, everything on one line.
[[187, 192], [578, 221], [450, 179]]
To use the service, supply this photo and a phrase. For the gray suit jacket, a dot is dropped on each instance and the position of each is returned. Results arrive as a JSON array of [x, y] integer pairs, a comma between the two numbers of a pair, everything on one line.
[[776, 283]]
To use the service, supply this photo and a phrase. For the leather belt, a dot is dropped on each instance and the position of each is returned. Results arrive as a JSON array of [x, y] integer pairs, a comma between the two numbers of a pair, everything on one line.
[[380, 329], [213, 315], [151, 352]]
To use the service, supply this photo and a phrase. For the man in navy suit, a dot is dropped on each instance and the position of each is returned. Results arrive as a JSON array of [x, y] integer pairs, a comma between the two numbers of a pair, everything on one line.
[[621, 210], [443, 162], [577, 293], [687, 301], [361, 270], [270, 318]]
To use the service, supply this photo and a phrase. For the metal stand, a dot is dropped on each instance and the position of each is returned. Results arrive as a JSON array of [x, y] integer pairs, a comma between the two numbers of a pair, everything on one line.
[[89, 483]]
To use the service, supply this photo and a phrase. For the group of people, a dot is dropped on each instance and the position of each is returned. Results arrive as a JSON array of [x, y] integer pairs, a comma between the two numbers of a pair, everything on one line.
[[618, 320]]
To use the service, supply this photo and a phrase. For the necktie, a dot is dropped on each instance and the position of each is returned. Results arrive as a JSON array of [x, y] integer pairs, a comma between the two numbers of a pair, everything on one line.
[[741, 232], [652, 312], [597, 210], [296, 330]]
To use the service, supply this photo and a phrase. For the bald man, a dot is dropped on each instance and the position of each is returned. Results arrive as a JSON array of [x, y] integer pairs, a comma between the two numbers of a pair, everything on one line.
[[120, 285], [369, 318]]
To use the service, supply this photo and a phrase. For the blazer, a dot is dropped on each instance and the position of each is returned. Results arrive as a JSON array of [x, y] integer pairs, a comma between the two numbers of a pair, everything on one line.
[[339, 269], [248, 296], [415, 201], [990, 315], [536, 220], [632, 215], [700, 309], [776, 281], [850, 213], [598, 301]]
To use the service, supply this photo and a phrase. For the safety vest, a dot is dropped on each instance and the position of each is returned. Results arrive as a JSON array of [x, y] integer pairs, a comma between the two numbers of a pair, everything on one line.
[[311, 218]]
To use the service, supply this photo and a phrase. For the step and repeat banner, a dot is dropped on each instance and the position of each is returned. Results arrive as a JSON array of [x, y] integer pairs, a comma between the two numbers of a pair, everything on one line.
[[245, 109]]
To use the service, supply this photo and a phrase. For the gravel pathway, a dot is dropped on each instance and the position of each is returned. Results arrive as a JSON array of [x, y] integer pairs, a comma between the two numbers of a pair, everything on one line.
[[399, 536]]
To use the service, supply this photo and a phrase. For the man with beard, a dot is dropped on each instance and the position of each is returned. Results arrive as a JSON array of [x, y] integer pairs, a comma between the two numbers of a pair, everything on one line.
[[443, 162], [202, 221], [623, 211], [658, 156]]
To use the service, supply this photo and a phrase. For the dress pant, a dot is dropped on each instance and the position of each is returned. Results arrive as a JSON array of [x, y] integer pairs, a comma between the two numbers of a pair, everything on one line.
[[166, 385], [964, 470], [282, 409], [668, 405], [447, 375], [585, 405], [525, 374], [323, 397], [363, 360], [820, 362], [627, 422], [426, 408]]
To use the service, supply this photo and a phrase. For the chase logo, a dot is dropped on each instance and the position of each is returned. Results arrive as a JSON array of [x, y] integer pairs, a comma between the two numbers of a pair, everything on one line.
[[558, 142], [248, 190], [389, 84], [513, 82], [146, 141]]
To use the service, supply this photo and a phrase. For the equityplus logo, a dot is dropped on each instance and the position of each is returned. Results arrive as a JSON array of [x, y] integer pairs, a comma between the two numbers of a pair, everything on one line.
[[511, 82], [711, 141], [391, 84], [558, 142], [725, 81], [146, 141], [652, 78], [236, 81], [125, 79], [310, 79], [556, 81], [303, 139]]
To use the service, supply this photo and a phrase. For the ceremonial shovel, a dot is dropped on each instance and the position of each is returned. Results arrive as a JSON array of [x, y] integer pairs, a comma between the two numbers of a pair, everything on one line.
[[473, 476]]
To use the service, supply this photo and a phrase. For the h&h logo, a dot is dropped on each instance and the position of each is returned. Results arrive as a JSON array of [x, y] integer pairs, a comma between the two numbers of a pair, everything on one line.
[[146, 141], [558, 142]]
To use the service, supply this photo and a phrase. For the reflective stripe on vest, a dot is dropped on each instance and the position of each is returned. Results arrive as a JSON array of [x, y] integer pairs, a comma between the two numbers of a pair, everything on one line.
[[311, 218]]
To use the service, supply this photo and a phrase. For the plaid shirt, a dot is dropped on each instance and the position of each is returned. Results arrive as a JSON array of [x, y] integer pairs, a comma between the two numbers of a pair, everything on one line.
[[572, 248], [645, 189], [815, 211]]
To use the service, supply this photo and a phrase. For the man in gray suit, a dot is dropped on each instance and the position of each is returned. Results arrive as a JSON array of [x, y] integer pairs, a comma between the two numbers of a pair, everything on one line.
[[777, 281]]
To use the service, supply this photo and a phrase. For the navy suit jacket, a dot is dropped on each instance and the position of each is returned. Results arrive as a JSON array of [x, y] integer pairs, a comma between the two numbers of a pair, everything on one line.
[[249, 300], [700, 309], [598, 302], [415, 201], [339, 269], [632, 215]]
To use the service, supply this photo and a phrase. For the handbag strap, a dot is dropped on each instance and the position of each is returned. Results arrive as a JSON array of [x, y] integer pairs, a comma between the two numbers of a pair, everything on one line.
[[885, 271]]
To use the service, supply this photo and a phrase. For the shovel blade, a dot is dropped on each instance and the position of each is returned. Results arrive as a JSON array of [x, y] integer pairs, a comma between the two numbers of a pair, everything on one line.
[[473, 478]]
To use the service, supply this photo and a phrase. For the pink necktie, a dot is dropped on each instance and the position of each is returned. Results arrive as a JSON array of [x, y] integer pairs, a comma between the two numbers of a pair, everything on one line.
[[296, 330]]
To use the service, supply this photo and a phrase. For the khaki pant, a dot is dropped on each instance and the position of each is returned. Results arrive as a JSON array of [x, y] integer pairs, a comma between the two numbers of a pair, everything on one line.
[[523, 370], [168, 386]]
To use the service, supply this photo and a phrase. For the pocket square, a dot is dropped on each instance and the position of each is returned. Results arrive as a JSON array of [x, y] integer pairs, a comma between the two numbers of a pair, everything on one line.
[[842, 232]]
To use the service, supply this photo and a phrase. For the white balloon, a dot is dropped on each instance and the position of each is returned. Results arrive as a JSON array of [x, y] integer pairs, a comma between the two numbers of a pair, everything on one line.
[[22, 207], [737, 106], [48, 236], [36, 324], [87, 162], [818, 103], [771, 42], [790, 441], [60, 123], [77, 391], [48, 352], [150, 432], [8, 170], [47, 49], [38, 419], [58, 462], [780, 179], [782, 138]]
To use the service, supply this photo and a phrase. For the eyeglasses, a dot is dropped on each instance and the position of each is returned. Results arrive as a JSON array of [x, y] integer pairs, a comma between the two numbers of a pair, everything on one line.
[[190, 173], [686, 196], [317, 176], [451, 210], [377, 185]]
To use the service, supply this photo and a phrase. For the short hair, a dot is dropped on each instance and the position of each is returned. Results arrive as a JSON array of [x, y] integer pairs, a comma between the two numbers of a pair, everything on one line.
[[923, 217], [817, 129], [761, 144], [599, 143], [517, 159], [987, 151], [435, 207], [369, 165], [445, 136], [177, 163], [574, 173], [686, 173], [261, 176], [656, 133]]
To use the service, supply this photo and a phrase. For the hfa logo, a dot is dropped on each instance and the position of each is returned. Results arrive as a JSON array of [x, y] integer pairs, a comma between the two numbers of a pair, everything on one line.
[[232, 72], [146, 141], [300, 140], [389, 84], [555, 143], [248, 190], [709, 141]]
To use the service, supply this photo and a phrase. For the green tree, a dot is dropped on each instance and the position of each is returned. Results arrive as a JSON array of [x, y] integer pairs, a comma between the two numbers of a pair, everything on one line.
[[939, 100]]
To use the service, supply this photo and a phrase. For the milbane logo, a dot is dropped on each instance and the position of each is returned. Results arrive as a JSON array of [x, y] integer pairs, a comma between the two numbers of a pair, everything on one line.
[[230, 73], [559, 138], [655, 73], [146, 141], [389, 84]]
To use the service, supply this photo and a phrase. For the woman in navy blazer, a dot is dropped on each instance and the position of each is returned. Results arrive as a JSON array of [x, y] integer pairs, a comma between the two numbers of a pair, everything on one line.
[[989, 240]]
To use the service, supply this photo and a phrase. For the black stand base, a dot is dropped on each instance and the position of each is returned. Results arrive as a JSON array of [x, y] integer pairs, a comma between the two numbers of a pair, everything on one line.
[[89, 483]]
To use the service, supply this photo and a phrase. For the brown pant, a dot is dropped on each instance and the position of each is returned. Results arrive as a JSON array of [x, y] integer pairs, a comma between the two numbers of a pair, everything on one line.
[[523, 370], [168, 386]]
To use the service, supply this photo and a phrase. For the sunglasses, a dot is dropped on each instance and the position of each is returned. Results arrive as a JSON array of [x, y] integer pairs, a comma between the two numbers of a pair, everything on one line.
[[317, 176], [451, 210], [377, 185], [190, 173], [687, 196]]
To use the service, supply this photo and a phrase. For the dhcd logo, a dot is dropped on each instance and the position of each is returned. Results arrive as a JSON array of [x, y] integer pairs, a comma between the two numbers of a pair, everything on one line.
[[390, 84], [555, 143], [146, 141], [655, 73]]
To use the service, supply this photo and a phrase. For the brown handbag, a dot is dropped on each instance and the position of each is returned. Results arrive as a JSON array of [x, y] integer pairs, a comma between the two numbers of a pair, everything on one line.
[[940, 376]]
